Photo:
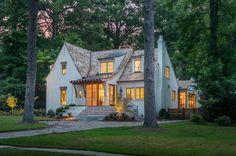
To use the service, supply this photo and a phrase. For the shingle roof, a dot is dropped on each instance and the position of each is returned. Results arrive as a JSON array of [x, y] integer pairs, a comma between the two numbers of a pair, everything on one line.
[[184, 84], [87, 61], [128, 74], [81, 58]]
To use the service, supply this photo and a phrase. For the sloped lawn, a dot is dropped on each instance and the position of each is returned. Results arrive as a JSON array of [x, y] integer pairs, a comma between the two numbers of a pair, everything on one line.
[[13, 152], [183, 139], [13, 123]]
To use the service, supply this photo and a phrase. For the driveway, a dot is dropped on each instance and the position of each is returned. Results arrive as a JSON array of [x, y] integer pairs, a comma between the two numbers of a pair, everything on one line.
[[69, 126]]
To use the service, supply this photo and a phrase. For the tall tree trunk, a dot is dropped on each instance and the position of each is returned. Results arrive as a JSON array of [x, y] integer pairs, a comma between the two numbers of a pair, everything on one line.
[[150, 120], [213, 27], [32, 65]]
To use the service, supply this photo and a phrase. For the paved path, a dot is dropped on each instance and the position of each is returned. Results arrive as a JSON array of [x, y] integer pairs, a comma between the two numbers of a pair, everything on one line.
[[62, 151], [69, 126]]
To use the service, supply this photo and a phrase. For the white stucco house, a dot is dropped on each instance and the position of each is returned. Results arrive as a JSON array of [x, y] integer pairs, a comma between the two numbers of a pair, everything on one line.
[[93, 79]]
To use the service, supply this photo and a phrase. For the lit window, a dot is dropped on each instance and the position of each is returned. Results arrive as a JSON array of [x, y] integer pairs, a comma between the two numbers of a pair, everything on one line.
[[63, 68], [182, 99], [137, 65], [63, 96], [106, 67], [191, 100], [167, 72], [110, 67], [173, 95], [130, 92], [103, 67], [139, 93]]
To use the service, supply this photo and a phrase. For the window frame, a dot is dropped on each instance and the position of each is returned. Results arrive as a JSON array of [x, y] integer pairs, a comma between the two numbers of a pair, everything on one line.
[[134, 89], [173, 95], [63, 102], [63, 68], [167, 72], [136, 60], [106, 67]]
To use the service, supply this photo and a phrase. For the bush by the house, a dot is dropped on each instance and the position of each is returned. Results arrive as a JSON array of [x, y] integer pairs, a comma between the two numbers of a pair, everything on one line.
[[72, 105], [164, 114], [40, 112], [60, 111], [196, 118], [51, 113], [67, 107], [223, 121]]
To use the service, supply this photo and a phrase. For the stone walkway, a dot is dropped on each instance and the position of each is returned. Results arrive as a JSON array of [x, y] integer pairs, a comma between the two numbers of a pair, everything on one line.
[[68, 151], [69, 126]]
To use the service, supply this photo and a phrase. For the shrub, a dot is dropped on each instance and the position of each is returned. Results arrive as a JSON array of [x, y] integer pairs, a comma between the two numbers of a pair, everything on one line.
[[59, 111], [51, 113], [223, 121], [72, 105], [196, 118], [164, 114], [67, 107]]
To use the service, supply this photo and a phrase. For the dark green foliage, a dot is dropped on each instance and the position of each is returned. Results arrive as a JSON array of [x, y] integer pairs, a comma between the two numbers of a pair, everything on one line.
[[164, 114], [196, 118], [51, 113], [223, 121]]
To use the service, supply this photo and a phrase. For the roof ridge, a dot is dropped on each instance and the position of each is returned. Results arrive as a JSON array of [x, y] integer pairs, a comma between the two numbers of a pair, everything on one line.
[[67, 43], [113, 50]]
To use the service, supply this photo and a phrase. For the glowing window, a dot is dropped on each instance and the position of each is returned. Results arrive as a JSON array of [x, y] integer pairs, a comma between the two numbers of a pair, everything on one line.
[[137, 65], [63, 95], [110, 67], [106, 67], [173, 95], [140, 93], [191, 100], [182, 99], [167, 72], [103, 67], [63, 68], [130, 93]]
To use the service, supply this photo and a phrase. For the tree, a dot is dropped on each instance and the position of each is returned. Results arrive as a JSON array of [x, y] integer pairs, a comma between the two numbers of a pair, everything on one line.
[[32, 64], [150, 119]]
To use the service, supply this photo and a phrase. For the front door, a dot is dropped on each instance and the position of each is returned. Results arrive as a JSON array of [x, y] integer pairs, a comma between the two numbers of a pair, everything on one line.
[[95, 94]]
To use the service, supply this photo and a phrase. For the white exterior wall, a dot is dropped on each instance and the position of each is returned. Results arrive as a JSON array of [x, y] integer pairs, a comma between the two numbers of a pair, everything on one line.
[[132, 84], [163, 85], [55, 80]]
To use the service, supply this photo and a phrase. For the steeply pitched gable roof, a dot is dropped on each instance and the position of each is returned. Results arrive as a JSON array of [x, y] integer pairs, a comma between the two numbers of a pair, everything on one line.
[[81, 58]]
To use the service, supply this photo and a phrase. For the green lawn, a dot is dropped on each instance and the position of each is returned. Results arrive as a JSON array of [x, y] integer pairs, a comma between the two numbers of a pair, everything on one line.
[[13, 152], [183, 139], [13, 123]]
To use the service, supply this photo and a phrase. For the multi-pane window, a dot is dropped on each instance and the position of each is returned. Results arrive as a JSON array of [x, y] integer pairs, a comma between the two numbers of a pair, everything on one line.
[[63, 68], [182, 99], [191, 100], [63, 95], [130, 93], [173, 95], [106, 67], [135, 93], [109, 67], [139, 93], [103, 67], [167, 72], [137, 65]]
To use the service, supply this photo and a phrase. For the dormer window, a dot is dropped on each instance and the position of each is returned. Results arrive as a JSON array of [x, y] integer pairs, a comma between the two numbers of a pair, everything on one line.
[[137, 65], [63, 68], [106, 67]]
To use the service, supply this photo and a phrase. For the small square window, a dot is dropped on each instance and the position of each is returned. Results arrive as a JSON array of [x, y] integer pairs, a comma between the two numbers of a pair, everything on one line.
[[106, 67], [167, 72]]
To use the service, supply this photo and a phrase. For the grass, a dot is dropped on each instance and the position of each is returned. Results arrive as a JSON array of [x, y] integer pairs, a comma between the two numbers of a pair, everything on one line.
[[183, 139], [13, 123], [14, 152]]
